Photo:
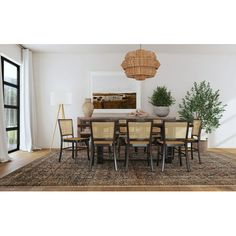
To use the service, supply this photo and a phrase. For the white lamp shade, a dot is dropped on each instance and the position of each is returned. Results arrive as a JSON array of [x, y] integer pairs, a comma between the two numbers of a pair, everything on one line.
[[57, 98]]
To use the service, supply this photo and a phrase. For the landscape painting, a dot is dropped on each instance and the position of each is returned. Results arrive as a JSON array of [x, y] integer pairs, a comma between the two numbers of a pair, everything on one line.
[[114, 100]]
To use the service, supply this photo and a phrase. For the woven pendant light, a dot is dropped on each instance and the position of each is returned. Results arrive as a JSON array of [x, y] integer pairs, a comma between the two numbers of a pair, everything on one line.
[[140, 64]]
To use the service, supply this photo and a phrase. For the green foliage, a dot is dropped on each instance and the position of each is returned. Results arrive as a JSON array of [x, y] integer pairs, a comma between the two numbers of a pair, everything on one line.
[[161, 97], [203, 103]]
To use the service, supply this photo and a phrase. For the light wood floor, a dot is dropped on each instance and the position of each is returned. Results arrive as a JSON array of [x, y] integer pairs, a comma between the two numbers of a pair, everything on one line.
[[231, 152], [20, 159]]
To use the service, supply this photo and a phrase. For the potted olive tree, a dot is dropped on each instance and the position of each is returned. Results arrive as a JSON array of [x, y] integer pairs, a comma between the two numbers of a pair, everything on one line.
[[201, 102], [161, 99]]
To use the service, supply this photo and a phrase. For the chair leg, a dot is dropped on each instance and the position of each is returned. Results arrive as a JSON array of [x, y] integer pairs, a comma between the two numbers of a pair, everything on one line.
[[180, 157], [187, 158], [73, 151], [191, 150], [163, 158], [61, 151], [150, 155], [118, 148], [158, 154], [145, 149], [92, 158], [110, 152], [87, 145], [125, 154], [76, 152], [114, 156], [198, 150], [127, 159]]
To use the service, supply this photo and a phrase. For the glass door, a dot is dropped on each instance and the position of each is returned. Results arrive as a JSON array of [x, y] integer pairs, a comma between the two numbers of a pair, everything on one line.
[[11, 92]]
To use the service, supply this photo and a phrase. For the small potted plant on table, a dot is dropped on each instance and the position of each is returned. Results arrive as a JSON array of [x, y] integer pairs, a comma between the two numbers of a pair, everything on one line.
[[161, 99]]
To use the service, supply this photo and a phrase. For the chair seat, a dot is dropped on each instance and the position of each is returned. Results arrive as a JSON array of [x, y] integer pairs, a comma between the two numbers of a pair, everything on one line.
[[192, 140], [103, 142], [74, 139], [123, 133], [139, 142], [85, 134], [157, 135], [172, 142]]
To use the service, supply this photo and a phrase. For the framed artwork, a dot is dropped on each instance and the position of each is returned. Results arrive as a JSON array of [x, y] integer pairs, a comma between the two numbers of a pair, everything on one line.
[[113, 92]]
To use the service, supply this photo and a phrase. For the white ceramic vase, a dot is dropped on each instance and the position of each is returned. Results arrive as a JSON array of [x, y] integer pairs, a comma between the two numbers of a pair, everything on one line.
[[88, 107], [161, 111]]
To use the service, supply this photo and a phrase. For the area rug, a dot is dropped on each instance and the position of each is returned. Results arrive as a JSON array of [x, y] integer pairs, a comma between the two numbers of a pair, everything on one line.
[[215, 169]]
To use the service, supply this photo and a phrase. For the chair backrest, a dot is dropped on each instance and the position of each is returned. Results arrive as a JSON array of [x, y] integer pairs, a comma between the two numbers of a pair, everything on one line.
[[139, 130], [175, 130], [103, 130], [156, 129], [197, 126], [122, 126], [66, 127]]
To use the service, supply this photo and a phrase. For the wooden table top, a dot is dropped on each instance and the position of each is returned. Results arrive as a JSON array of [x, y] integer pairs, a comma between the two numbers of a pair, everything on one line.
[[122, 116]]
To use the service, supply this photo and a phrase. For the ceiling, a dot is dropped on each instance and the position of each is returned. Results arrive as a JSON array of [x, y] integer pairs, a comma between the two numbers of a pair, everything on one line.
[[123, 48]]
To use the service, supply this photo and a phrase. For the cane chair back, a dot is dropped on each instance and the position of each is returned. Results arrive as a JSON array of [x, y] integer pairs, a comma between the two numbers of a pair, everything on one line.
[[196, 131], [139, 130], [175, 130], [66, 127], [156, 130], [103, 131], [122, 127]]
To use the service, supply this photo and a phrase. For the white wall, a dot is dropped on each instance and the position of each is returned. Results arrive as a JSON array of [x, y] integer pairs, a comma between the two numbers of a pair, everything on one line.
[[179, 71], [70, 72], [65, 72], [11, 51]]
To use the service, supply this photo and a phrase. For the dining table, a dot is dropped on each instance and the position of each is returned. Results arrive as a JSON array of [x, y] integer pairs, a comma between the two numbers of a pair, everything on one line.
[[83, 127]]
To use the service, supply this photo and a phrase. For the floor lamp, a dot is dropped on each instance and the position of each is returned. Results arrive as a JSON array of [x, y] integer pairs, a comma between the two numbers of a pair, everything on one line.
[[59, 99]]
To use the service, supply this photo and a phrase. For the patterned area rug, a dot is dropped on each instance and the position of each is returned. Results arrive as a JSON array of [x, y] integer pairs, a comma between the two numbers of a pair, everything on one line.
[[215, 170]]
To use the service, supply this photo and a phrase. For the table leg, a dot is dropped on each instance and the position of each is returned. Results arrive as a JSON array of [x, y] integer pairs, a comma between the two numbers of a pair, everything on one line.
[[170, 155], [76, 152], [100, 155]]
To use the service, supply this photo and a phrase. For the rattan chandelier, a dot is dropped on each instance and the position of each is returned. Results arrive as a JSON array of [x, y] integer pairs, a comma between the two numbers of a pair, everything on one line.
[[140, 64]]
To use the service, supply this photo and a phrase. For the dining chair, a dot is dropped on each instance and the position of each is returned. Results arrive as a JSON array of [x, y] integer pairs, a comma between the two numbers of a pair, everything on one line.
[[156, 131], [122, 135], [139, 133], [103, 133], [195, 138], [83, 130], [174, 134], [67, 136]]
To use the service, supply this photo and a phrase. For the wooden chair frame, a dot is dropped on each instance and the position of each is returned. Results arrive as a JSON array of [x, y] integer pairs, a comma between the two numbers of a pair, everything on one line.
[[197, 141], [147, 146], [112, 140], [69, 138], [165, 144]]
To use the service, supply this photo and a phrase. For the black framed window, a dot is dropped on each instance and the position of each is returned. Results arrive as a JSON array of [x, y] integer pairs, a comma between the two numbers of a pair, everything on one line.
[[11, 93]]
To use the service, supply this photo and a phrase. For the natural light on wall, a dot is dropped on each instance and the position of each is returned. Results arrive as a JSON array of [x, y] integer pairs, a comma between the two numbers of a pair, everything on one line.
[[218, 138]]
